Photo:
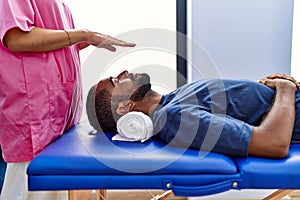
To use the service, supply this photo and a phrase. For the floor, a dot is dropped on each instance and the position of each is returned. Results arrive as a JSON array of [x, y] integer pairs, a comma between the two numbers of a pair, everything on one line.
[[136, 195], [150, 195], [139, 195]]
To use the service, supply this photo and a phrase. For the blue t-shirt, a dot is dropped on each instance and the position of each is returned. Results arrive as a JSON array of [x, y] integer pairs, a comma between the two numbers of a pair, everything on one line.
[[215, 115]]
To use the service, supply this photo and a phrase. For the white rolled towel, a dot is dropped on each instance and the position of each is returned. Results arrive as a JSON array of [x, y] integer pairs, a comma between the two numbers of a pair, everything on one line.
[[134, 126]]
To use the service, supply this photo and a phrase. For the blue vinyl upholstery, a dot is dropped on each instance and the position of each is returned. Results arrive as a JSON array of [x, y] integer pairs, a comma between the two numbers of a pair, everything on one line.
[[265, 173], [81, 159]]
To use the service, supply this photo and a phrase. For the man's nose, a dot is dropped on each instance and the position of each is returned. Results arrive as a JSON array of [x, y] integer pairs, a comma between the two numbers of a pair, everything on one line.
[[124, 73]]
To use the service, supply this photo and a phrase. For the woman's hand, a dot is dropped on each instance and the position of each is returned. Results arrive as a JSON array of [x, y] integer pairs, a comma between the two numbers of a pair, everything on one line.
[[105, 41]]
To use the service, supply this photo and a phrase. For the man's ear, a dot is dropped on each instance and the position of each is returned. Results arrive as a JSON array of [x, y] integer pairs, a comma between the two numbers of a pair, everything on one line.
[[124, 107]]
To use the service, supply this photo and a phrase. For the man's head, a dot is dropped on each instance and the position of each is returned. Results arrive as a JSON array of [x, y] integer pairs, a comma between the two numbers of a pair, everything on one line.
[[113, 97]]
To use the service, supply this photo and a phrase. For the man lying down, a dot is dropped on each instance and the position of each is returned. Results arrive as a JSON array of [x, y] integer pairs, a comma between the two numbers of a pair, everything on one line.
[[233, 117]]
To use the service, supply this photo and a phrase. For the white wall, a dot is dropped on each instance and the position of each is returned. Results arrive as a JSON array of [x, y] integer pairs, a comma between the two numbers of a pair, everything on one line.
[[114, 17], [151, 24], [296, 42], [245, 39]]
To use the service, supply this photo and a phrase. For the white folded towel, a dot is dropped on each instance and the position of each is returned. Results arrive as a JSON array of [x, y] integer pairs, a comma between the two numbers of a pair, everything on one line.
[[134, 126]]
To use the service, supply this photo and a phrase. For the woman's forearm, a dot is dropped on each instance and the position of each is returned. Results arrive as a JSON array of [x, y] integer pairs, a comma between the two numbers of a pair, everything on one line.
[[39, 40]]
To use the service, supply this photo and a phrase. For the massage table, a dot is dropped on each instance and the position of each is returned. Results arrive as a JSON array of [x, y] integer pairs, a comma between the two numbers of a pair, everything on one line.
[[84, 160]]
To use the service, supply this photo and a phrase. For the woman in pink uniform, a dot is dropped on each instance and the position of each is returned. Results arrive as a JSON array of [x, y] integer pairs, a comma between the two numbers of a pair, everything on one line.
[[40, 82]]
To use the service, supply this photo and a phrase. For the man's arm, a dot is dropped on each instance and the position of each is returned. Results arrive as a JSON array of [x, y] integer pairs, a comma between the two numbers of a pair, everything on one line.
[[272, 138], [39, 39]]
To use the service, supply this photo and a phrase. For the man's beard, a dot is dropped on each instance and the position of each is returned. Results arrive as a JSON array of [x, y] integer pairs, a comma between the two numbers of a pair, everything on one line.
[[143, 86]]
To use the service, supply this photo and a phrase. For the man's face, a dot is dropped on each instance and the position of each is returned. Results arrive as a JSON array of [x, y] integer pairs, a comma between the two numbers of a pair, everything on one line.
[[143, 86], [133, 86]]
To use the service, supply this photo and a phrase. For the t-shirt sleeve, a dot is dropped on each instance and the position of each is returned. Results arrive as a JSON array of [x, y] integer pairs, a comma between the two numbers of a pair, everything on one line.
[[192, 127], [16, 13]]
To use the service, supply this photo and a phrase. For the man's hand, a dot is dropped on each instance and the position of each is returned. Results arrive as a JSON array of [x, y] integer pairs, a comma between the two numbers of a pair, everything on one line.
[[272, 137], [273, 80]]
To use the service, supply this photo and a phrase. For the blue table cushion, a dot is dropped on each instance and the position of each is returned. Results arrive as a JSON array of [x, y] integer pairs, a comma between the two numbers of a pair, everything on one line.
[[81, 160], [265, 173]]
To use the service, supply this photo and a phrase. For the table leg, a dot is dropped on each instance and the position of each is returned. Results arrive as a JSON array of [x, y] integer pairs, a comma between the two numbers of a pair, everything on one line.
[[79, 194], [102, 195]]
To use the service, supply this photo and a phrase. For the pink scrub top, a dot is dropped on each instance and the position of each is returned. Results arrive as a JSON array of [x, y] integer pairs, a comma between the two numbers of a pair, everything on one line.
[[40, 93]]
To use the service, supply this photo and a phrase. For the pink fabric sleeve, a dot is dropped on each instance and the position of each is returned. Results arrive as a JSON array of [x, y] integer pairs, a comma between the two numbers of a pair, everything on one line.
[[15, 13]]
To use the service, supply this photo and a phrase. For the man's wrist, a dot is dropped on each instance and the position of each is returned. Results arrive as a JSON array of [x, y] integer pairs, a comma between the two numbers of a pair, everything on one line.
[[282, 84]]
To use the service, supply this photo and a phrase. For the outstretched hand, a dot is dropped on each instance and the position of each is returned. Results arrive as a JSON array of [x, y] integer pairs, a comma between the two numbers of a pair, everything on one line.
[[105, 41], [271, 80]]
